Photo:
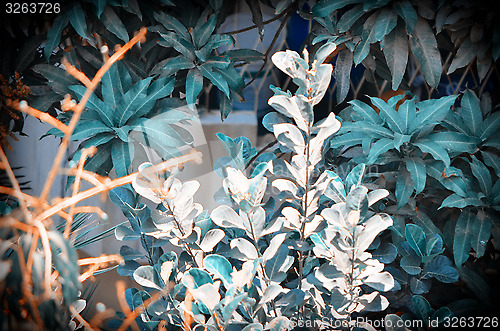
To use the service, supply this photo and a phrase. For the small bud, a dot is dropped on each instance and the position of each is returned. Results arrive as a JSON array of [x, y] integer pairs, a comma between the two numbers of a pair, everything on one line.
[[104, 49], [23, 104], [100, 307]]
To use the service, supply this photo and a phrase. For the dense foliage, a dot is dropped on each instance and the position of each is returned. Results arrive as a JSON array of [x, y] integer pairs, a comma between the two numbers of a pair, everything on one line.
[[389, 206]]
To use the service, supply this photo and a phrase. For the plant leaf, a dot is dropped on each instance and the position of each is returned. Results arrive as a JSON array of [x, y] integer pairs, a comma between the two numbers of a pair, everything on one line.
[[194, 85], [416, 238], [418, 172], [113, 23], [396, 55], [424, 46], [462, 239]]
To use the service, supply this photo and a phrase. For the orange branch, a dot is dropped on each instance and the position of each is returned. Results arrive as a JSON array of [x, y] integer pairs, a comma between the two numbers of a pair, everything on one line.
[[42, 116]]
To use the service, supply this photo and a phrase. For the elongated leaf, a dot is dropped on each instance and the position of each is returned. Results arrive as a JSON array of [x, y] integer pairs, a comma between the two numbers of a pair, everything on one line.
[[348, 139], [455, 141], [421, 219], [408, 14], [367, 112], [386, 21], [113, 23], [342, 73], [216, 79], [202, 34], [389, 115], [254, 6], [122, 154], [396, 55], [160, 88], [416, 167], [27, 52], [363, 48], [194, 85], [470, 111], [54, 34], [130, 101], [87, 129], [462, 239], [77, 18], [465, 54], [326, 7], [435, 149], [481, 232], [94, 103], [175, 64], [424, 46], [482, 175], [490, 125], [492, 161], [433, 111], [171, 23], [476, 284], [349, 17], [378, 148], [457, 201], [416, 238]]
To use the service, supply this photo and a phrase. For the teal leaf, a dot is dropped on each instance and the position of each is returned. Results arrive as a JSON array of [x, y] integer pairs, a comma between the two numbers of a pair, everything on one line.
[[408, 14], [418, 172], [87, 129], [348, 139], [234, 81], [216, 79], [465, 54], [441, 269], [122, 154], [124, 233], [254, 6], [225, 217], [433, 111], [389, 114], [203, 33], [407, 111], [434, 246], [194, 85], [342, 73], [404, 187], [386, 253], [411, 264], [424, 46], [381, 146], [349, 17], [175, 64], [367, 112], [455, 141], [160, 88], [386, 22], [94, 103], [492, 161], [481, 232], [421, 307], [198, 278], [54, 34], [416, 238], [77, 18], [482, 174], [171, 23], [400, 139], [130, 101], [363, 47], [490, 125], [219, 266], [395, 48], [354, 178], [113, 23], [435, 149], [462, 239], [245, 55], [111, 87], [426, 223], [457, 201], [326, 7], [470, 111]]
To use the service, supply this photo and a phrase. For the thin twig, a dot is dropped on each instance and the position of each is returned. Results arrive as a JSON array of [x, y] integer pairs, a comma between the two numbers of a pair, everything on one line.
[[79, 317], [76, 186], [269, 49], [275, 18], [42, 116], [169, 164], [271, 144], [76, 73]]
